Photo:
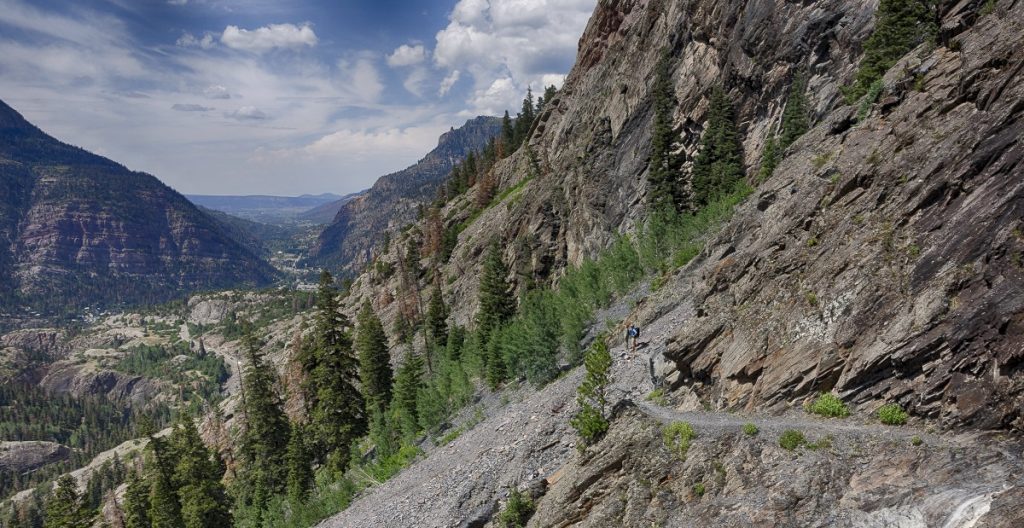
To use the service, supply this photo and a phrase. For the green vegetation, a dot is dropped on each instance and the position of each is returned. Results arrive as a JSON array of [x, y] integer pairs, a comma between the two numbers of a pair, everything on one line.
[[795, 120], [868, 100], [892, 414], [791, 439], [718, 166], [699, 489], [750, 429], [829, 405], [517, 512], [667, 188], [916, 441], [199, 375], [657, 396], [590, 422], [677, 437], [900, 25]]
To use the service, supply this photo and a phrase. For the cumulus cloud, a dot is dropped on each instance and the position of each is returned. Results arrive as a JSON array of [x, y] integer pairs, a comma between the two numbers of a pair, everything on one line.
[[448, 82], [188, 40], [216, 91], [248, 113], [267, 38], [190, 108], [498, 42], [406, 55]]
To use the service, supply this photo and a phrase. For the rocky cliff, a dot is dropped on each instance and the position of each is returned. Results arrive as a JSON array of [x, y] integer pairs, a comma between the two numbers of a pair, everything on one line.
[[77, 230], [394, 200]]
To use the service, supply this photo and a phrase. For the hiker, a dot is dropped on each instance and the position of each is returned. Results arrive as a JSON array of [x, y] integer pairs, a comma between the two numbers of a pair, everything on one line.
[[632, 332]]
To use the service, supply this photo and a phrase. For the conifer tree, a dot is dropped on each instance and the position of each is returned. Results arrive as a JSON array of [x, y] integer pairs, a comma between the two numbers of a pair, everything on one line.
[[794, 117], [436, 319], [456, 338], [496, 301], [525, 118], [469, 170], [769, 158], [667, 187], [265, 438], [590, 422], [300, 471], [719, 164], [374, 360], [197, 475], [508, 134], [136, 502], [339, 416], [65, 508], [496, 371], [164, 505], [900, 25], [407, 386]]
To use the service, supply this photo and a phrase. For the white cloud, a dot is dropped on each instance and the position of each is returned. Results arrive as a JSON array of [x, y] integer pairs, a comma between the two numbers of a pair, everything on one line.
[[188, 40], [522, 42], [415, 82], [216, 91], [187, 107], [273, 36], [406, 55], [448, 82], [177, 2], [361, 77], [248, 113]]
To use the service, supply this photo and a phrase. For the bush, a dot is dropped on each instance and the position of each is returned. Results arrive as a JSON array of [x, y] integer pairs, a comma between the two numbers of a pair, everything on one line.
[[892, 414], [750, 429], [517, 512], [657, 396], [677, 436], [791, 439], [916, 441], [699, 489], [829, 405]]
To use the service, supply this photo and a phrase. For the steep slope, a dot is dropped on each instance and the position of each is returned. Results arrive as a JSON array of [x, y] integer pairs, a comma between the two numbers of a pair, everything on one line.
[[323, 214], [394, 199], [77, 229]]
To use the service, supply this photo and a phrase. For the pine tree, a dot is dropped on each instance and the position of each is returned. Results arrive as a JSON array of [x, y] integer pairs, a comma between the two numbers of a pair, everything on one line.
[[300, 471], [769, 158], [64, 507], [508, 134], [590, 422], [164, 506], [265, 438], [407, 386], [136, 502], [667, 187], [524, 120], [197, 477], [374, 360], [436, 319], [496, 371], [794, 117], [496, 301], [719, 164], [339, 416], [900, 25], [456, 338]]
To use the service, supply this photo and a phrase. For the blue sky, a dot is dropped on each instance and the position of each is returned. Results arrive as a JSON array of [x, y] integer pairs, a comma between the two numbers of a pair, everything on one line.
[[275, 97]]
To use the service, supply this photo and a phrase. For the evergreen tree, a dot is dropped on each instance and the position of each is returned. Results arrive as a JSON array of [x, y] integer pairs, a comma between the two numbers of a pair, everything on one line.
[[590, 422], [197, 475], [496, 371], [525, 118], [508, 133], [496, 301], [300, 471], [407, 386], [667, 187], [769, 158], [469, 170], [436, 319], [136, 502], [64, 508], [374, 360], [900, 25], [719, 164], [265, 439], [456, 338], [164, 506], [794, 117], [339, 416]]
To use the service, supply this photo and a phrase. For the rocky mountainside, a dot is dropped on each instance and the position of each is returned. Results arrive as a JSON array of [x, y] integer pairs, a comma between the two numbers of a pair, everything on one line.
[[77, 230], [394, 200], [267, 209]]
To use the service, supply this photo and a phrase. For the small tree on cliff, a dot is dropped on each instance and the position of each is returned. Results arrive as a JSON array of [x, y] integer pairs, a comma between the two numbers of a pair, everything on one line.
[[667, 187]]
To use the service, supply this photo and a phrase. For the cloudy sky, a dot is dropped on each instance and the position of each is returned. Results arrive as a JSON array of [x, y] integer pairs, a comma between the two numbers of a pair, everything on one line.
[[275, 96]]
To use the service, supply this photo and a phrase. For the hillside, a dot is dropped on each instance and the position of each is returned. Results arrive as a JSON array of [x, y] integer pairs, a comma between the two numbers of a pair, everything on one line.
[[80, 230], [267, 209], [394, 200]]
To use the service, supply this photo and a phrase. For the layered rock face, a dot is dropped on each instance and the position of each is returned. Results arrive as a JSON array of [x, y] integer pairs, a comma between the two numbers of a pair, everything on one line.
[[21, 457], [77, 229], [394, 200]]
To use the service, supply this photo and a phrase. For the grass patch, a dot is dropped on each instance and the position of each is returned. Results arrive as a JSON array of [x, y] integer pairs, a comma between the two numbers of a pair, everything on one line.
[[657, 397], [791, 439], [829, 405], [450, 437], [750, 429], [892, 414], [677, 437], [699, 489], [916, 441], [517, 512]]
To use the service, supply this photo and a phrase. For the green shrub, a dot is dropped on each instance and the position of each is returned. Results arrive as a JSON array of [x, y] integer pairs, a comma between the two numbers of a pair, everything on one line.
[[657, 396], [750, 429], [517, 512], [677, 436], [892, 414], [699, 489], [916, 441], [829, 405], [791, 439]]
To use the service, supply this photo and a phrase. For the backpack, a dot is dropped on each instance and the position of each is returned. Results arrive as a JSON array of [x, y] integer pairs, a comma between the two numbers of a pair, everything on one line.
[[636, 332]]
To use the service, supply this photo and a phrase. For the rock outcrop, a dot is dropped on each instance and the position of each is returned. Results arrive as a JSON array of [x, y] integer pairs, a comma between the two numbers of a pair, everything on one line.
[[79, 230], [395, 199], [22, 457]]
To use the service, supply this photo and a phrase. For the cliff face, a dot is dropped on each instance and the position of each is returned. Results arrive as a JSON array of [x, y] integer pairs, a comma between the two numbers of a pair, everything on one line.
[[394, 199], [77, 229]]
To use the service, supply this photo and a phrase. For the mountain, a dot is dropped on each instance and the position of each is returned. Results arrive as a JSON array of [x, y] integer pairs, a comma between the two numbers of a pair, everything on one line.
[[265, 209], [325, 213], [395, 198], [77, 229]]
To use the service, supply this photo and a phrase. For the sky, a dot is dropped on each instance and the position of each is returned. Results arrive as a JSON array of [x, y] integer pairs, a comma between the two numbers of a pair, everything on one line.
[[276, 96]]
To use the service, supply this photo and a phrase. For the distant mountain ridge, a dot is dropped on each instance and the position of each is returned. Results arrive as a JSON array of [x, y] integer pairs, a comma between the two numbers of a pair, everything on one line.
[[77, 229], [267, 208], [394, 199]]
